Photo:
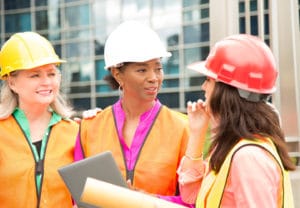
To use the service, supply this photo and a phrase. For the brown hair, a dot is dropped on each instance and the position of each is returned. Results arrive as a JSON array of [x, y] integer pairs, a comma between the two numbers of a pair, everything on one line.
[[239, 118]]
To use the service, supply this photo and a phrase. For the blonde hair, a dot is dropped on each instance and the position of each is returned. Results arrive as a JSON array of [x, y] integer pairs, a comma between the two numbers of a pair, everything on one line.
[[9, 101]]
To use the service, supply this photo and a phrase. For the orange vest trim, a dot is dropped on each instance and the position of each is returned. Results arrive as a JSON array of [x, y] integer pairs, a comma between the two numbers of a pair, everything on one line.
[[155, 169], [17, 173]]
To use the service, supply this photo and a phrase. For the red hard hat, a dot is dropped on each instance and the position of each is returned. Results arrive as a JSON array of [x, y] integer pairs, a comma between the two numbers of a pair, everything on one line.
[[242, 61]]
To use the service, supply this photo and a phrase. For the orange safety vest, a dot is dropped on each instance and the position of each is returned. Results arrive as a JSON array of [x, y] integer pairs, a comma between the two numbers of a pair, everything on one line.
[[159, 157], [213, 185], [17, 166]]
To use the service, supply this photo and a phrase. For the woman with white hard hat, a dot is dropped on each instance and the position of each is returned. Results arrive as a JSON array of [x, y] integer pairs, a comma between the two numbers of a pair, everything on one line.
[[37, 136], [146, 138], [248, 164]]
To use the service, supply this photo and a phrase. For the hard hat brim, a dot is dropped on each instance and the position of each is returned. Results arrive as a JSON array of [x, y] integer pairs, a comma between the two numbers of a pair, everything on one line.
[[141, 59], [200, 66]]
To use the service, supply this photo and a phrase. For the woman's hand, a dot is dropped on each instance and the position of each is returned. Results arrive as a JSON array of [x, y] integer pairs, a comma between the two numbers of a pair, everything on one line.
[[198, 122], [91, 113], [198, 115]]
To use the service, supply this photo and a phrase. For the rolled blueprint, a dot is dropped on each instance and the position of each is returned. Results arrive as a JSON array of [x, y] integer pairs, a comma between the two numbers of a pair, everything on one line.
[[107, 195]]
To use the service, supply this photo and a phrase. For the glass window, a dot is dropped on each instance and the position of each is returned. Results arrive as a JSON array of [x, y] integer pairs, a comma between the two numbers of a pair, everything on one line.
[[103, 102], [100, 71], [68, 1], [241, 7], [17, 22], [81, 103], [169, 99], [41, 2], [54, 17], [165, 6], [135, 9], [195, 15], [99, 47], [169, 19], [266, 24], [266, 4], [254, 25], [83, 34], [77, 15], [104, 18], [16, 4], [169, 35], [78, 49], [204, 13], [195, 54], [81, 70], [196, 33], [103, 88], [253, 5], [171, 66], [57, 48], [194, 96], [79, 88], [242, 24], [171, 83], [41, 18], [54, 35], [187, 3]]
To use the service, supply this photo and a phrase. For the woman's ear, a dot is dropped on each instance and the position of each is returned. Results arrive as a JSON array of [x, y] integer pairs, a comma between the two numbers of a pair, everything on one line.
[[115, 72], [11, 82]]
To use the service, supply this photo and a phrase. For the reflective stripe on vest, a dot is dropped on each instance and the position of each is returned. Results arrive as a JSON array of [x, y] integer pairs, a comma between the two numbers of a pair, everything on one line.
[[213, 185]]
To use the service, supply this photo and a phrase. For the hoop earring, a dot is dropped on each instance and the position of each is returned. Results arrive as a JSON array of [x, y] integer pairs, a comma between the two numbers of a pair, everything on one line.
[[120, 90]]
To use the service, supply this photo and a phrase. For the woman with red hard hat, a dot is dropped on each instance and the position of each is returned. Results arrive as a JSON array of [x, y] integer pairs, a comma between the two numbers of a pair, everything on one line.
[[248, 160]]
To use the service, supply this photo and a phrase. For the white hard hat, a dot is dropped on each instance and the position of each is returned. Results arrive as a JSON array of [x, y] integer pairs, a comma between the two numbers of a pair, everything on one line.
[[132, 41]]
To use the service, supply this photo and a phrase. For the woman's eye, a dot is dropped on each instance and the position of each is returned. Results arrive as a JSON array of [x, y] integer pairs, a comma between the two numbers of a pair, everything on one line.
[[52, 74], [160, 69], [141, 70], [34, 75]]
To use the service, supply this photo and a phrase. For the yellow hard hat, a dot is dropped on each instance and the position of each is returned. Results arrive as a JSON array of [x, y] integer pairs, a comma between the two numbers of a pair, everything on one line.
[[26, 50]]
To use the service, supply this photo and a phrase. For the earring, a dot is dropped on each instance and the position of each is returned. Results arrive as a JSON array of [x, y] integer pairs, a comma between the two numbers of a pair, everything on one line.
[[120, 90]]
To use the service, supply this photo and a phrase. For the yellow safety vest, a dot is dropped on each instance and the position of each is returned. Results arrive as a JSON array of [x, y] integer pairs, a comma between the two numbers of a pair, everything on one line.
[[213, 185]]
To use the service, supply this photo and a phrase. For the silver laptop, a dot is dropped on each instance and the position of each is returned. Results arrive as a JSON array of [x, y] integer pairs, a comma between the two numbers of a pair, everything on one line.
[[101, 166]]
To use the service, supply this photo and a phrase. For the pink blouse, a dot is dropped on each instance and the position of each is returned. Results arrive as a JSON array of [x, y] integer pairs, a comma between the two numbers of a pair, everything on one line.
[[254, 180]]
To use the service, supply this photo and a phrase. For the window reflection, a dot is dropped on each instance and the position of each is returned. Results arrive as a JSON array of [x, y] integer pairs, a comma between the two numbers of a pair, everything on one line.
[[81, 103], [16, 4], [17, 22], [188, 3], [171, 83], [41, 20], [103, 102], [78, 49], [195, 15], [195, 54], [135, 9], [254, 24], [172, 64], [77, 15], [100, 71], [169, 99], [196, 33]]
